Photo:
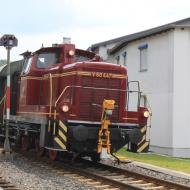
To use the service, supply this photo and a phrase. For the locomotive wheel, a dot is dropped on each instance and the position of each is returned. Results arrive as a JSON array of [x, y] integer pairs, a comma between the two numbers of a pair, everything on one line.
[[39, 150], [24, 143], [37, 145], [133, 147], [52, 154], [95, 157]]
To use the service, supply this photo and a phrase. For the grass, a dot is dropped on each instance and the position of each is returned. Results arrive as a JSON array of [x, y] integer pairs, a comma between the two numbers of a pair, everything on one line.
[[182, 165]]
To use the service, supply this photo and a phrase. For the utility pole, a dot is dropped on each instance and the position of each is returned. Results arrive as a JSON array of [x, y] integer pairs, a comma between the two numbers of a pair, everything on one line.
[[8, 41]]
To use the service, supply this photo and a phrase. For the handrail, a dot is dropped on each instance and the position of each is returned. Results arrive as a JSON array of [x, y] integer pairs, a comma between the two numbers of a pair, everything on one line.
[[86, 87], [63, 91], [93, 88], [3, 99], [51, 94]]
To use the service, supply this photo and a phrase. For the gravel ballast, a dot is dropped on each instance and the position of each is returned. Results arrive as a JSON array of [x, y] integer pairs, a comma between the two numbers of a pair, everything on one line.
[[27, 175]]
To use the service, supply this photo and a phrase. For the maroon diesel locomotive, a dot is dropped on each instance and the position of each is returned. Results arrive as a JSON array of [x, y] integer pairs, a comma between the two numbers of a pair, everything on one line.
[[67, 99]]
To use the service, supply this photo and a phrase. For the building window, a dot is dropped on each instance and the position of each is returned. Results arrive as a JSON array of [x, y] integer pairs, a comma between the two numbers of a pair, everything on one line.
[[143, 57], [118, 59], [124, 54]]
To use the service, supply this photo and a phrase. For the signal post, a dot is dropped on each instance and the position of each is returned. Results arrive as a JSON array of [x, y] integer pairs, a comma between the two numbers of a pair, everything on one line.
[[8, 41]]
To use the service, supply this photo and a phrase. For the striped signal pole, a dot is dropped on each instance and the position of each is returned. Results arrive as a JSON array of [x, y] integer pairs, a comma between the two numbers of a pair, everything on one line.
[[7, 147], [8, 41]]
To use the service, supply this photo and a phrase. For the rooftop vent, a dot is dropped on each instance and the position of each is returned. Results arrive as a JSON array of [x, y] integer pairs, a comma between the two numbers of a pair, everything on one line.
[[66, 40]]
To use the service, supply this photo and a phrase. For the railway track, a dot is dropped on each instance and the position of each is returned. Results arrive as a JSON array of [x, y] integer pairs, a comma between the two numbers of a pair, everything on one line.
[[105, 177], [4, 185], [132, 180]]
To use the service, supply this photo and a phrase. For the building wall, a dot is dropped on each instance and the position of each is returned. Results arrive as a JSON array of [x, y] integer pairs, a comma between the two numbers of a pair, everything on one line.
[[181, 100], [157, 82], [103, 51], [167, 83]]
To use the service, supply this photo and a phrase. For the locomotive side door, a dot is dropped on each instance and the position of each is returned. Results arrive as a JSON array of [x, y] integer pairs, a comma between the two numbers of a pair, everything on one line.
[[133, 96]]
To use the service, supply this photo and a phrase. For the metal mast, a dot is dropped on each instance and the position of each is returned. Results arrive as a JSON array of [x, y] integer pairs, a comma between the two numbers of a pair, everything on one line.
[[8, 41]]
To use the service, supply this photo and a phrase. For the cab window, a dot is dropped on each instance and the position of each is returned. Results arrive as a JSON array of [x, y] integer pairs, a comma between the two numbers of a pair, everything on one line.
[[26, 65], [45, 60], [80, 58]]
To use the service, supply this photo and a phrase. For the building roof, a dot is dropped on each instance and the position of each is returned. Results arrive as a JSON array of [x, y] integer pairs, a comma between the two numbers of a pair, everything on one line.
[[124, 40]]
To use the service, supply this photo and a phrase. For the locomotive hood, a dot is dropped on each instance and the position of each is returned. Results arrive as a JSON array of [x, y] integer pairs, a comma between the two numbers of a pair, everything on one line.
[[95, 66]]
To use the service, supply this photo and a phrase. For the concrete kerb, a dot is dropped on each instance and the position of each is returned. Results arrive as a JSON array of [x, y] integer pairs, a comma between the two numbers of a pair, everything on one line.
[[162, 170]]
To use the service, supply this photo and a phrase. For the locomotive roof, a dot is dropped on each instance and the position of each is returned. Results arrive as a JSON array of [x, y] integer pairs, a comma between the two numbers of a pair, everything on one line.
[[15, 67], [46, 48], [84, 52], [2, 67]]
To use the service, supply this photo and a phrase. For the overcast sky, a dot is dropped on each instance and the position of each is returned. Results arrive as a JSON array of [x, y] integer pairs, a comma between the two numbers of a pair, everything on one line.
[[37, 22]]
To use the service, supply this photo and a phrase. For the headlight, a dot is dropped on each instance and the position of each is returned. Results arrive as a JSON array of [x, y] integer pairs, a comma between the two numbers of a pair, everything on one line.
[[65, 108], [146, 114], [71, 52]]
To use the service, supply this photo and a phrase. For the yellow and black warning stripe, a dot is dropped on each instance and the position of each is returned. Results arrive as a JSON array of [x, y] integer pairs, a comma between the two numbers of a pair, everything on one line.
[[143, 145], [61, 137]]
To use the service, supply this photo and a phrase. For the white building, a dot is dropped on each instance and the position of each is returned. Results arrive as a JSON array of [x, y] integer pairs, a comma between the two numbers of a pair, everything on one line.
[[160, 58]]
